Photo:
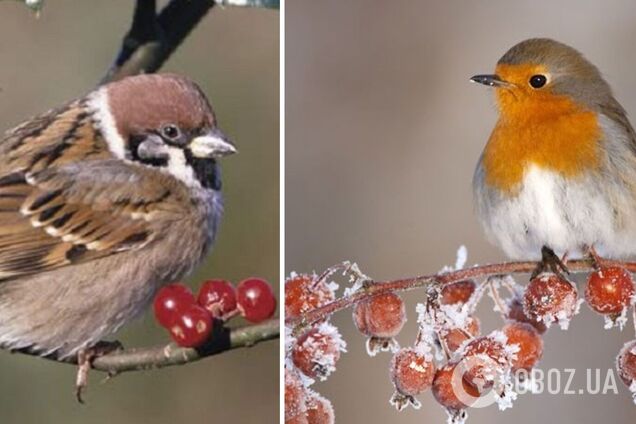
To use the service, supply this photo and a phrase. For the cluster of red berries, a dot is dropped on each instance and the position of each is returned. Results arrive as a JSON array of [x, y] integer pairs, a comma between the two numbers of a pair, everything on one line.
[[190, 320], [312, 354], [450, 356]]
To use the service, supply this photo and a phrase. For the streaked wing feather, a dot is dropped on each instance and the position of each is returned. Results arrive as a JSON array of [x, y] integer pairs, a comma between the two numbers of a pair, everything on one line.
[[74, 214]]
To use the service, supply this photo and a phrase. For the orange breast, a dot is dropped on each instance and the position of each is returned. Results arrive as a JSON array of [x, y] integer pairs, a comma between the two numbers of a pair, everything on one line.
[[549, 131]]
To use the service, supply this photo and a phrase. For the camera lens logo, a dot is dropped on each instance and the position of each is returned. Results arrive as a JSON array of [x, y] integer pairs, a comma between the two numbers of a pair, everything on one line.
[[477, 381]]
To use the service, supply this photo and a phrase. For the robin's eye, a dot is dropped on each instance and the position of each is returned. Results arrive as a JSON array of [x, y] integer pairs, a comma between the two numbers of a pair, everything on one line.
[[170, 131], [538, 81]]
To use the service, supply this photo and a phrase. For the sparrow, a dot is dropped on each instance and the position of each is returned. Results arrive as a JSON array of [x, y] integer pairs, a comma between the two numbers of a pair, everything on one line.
[[102, 201], [558, 174]]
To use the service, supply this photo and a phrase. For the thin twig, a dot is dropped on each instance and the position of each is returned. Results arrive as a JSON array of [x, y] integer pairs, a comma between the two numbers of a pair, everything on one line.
[[373, 288]]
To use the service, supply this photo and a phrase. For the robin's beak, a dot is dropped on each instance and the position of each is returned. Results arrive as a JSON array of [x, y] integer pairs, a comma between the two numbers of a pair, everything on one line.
[[212, 145], [490, 80]]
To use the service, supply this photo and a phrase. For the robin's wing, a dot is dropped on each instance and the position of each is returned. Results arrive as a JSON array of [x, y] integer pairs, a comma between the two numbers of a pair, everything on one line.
[[78, 213], [617, 114]]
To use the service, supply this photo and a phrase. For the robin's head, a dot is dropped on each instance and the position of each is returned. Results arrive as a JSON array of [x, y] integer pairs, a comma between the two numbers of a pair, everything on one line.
[[544, 76]]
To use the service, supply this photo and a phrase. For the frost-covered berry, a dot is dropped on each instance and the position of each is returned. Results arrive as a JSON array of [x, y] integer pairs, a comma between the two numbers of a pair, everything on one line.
[[218, 297], [169, 301], [316, 352], [411, 373], [383, 315], [550, 298], [255, 299], [319, 409], [485, 360], [452, 393], [458, 292], [191, 326], [609, 290], [295, 397], [381, 318], [626, 364], [516, 313], [304, 293], [529, 342], [455, 337]]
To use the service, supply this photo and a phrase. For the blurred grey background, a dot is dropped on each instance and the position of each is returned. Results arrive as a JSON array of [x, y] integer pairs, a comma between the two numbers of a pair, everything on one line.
[[233, 55], [383, 131]]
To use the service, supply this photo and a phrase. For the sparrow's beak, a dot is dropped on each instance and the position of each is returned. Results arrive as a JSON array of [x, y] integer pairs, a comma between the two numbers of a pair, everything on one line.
[[212, 145], [490, 80]]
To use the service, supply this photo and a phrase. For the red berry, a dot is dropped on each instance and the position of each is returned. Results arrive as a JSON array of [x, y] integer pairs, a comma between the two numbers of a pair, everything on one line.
[[191, 327], [458, 292], [530, 344], [550, 298], [294, 397], [411, 372], [455, 337], [303, 293], [484, 361], [381, 316], [319, 409], [218, 297], [255, 299], [609, 290], [626, 364], [516, 313], [446, 389], [169, 301], [316, 352]]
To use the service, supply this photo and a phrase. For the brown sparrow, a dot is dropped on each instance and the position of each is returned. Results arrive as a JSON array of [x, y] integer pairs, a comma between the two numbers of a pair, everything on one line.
[[102, 201]]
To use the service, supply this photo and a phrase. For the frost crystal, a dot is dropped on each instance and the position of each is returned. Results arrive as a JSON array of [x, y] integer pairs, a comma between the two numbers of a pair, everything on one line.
[[462, 256], [632, 388], [456, 417], [508, 396], [616, 321]]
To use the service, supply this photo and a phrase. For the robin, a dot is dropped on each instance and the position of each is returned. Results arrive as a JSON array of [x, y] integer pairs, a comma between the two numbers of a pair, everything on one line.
[[558, 174]]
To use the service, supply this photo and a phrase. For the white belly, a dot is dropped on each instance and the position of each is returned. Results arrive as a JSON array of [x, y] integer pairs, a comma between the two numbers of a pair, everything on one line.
[[563, 216]]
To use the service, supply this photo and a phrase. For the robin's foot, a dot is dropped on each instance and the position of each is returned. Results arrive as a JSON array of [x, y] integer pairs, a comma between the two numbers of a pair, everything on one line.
[[550, 262], [85, 359], [597, 261]]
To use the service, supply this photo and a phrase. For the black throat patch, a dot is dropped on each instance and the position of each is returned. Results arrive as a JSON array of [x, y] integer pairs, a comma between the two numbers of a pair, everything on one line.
[[207, 171]]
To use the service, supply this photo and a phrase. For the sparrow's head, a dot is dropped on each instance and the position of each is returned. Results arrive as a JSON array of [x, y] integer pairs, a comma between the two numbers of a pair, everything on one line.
[[162, 121]]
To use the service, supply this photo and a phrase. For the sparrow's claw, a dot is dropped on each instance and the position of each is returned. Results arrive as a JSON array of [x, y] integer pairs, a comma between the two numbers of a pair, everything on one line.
[[85, 359], [550, 262]]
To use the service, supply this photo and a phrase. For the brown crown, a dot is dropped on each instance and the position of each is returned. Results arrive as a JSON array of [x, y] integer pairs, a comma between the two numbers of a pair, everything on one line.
[[147, 102]]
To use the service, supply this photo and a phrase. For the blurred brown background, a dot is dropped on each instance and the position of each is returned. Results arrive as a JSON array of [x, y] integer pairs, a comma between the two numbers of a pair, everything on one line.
[[383, 131], [233, 55]]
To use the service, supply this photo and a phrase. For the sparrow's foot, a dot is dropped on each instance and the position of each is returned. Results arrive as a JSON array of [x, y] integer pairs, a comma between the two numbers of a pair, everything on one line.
[[550, 262], [85, 359]]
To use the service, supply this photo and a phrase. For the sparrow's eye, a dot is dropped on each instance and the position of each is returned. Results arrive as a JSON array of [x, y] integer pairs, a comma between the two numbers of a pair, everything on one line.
[[538, 81], [171, 132]]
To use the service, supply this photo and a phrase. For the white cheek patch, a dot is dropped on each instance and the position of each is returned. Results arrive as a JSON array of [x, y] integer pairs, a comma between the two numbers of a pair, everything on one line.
[[179, 167], [99, 103]]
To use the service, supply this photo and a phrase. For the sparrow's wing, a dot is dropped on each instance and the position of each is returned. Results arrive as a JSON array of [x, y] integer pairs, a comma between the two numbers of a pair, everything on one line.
[[56, 138], [78, 213]]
